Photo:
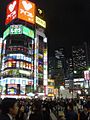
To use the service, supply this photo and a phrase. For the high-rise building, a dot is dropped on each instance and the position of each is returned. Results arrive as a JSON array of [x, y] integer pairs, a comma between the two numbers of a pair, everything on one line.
[[80, 55], [51, 67], [24, 64], [61, 60], [57, 67], [69, 71]]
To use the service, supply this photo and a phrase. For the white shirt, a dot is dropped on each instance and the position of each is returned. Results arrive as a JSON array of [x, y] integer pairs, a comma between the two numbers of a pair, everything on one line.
[[11, 118]]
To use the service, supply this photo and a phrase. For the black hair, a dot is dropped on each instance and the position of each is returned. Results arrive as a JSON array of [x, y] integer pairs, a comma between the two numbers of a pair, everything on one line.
[[6, 104]]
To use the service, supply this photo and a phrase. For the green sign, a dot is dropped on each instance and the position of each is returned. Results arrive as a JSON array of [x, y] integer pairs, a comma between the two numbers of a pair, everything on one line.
[[28, 32], [6, 33], [16, 29]]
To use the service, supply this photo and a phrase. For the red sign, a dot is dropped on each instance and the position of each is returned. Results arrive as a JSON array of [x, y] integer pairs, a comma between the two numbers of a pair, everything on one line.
[[11, 11], [22, 9]]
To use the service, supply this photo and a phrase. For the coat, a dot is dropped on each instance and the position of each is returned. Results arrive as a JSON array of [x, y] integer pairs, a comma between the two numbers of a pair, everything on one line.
[[4, 117]]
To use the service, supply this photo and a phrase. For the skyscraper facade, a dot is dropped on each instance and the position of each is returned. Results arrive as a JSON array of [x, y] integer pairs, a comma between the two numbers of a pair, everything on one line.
[[57, 67], [80, 55]]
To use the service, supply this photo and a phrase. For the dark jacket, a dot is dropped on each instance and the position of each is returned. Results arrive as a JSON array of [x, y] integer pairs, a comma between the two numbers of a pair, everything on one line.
[[84, 116], [71, 115], [4, 117], [37, 115]]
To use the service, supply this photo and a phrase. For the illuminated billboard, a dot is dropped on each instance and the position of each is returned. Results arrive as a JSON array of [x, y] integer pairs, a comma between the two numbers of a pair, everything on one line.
[[6, 32], [26, 11], [28, 32], [11, 11], [18, 29], [13, 89], [17, 64], [40, 22], [22, 9], [87, 75], [17, 57]]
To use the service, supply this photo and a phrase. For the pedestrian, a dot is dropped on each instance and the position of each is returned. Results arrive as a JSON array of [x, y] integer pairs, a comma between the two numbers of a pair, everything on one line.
[[20, 115], [70, 114], [85, 115], [36, 113], [9, 109]]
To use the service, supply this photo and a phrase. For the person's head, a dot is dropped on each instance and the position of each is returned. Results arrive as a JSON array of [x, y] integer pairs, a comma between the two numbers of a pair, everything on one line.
[[70, 107], [9, 105], [85, 108]]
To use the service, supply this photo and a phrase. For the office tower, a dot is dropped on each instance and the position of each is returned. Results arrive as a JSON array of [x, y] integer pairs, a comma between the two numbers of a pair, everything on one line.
[[57, 67], [80, 55]]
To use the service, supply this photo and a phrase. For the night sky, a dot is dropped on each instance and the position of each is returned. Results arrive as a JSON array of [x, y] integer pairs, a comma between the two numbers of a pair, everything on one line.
[[68, 22]]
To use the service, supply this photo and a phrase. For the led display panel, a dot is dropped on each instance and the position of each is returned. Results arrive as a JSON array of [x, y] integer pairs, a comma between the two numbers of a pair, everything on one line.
[[20, 64], [16, 29], [12, 89]]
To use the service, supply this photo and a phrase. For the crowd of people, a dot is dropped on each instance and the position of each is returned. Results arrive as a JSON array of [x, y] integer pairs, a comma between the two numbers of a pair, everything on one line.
[[38, 109]]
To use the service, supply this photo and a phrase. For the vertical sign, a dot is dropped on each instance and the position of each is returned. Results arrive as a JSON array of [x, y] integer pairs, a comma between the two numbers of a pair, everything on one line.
[[87, 75], [11, 11]]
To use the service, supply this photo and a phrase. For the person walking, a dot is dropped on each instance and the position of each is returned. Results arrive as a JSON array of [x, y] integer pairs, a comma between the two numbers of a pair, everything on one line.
[[9, 109], [85, 115], [70, 114]]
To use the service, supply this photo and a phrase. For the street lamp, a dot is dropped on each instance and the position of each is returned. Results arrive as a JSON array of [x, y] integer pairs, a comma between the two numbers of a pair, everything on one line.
[[89, 82], [75, 71]]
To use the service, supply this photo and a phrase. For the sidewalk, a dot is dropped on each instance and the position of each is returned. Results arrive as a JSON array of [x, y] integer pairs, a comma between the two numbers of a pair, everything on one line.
[[53, 117]]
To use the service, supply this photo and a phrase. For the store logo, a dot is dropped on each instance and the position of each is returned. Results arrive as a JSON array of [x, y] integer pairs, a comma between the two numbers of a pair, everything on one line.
[[26, 5], [12, 6]]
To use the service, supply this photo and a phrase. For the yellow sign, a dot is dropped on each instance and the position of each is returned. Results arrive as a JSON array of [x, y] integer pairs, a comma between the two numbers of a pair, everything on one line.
[[40, 22], [51, 95]]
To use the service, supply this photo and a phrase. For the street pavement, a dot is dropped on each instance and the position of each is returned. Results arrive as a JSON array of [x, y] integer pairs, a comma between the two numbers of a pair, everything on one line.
[[53, 117]]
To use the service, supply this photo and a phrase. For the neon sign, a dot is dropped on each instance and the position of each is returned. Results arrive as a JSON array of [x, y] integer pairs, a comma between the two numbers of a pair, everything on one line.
[[18, 29], [40, 22], [22, 9]]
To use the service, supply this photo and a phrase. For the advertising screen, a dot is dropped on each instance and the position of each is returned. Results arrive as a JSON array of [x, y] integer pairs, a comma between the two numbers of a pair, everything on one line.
[[12, 89], [16, 29], [15, 64], [11, 11], [22, 9], [26, 11]]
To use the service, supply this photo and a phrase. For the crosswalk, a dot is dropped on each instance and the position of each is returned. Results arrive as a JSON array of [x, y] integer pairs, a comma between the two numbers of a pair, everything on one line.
[[53, 117]]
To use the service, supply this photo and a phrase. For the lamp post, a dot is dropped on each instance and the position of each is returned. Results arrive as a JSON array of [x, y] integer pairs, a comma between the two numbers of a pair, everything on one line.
[[89, 82]]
